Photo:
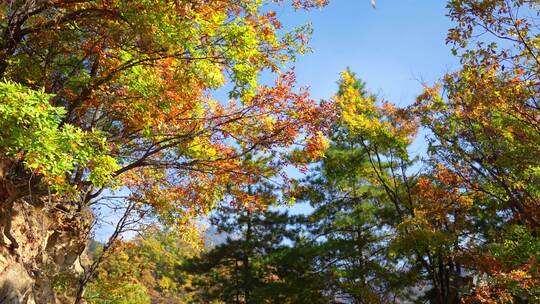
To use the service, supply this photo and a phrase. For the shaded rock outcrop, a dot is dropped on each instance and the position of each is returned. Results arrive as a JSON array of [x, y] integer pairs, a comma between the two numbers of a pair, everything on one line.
[[44, 265]]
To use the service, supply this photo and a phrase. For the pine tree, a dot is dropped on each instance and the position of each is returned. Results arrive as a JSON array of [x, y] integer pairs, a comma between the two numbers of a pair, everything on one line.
[[257, 263]]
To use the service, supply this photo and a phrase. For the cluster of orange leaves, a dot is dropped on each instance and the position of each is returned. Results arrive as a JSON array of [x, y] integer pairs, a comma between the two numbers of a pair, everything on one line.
[[497, 291], [441, 199]]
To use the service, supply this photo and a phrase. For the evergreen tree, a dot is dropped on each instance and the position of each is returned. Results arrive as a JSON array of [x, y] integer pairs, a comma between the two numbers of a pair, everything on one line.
[[257, 263], [352, 221]]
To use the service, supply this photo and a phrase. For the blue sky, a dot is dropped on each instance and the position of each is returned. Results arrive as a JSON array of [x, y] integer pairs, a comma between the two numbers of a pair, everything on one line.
[[393, 48]]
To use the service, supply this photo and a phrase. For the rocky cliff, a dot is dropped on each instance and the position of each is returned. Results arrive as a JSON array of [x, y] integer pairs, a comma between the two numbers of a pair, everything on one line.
[[41, 244]]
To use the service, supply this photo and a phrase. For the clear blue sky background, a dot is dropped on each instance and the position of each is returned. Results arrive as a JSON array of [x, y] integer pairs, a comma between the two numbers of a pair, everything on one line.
[[393, 47]]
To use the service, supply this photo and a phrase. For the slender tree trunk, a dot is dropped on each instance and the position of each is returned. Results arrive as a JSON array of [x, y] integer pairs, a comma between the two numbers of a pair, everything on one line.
[[245, 261], [79, 294]]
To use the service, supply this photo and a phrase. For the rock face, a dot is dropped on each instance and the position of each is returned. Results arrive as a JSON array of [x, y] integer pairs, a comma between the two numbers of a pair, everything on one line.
[[44, 266]]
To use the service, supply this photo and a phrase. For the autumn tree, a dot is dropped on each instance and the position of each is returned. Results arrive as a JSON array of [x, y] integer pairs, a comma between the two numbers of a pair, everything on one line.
[[101, 95], [484, 121], [144, 270]]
